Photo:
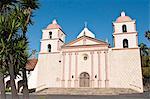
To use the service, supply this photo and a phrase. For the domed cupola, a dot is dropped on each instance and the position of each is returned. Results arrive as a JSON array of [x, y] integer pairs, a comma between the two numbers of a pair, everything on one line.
[[54, 25], [123, 18]]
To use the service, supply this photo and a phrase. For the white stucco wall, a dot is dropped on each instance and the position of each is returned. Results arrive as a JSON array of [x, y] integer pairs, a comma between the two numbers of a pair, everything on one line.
[[57, 40], [53, 43], [32, 78], [56, 33], [132, 40], [125, 69], [131, 27], [49, 71]]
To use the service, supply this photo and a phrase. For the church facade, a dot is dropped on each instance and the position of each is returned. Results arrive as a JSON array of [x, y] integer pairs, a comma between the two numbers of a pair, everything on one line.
[[87, 61]]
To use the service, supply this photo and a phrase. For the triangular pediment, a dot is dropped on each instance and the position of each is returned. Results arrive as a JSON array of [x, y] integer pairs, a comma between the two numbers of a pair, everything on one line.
[[85, 40]]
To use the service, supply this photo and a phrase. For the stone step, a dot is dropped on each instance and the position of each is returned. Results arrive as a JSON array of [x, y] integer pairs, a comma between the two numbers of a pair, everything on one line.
[[86, 91]]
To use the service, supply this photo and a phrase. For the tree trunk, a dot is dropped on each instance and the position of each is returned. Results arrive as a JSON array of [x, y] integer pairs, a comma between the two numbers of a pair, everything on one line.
[[12, 79], [25, 85], [2, 87]]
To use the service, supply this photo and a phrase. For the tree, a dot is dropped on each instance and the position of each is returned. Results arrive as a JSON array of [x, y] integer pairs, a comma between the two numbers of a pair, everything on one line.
[[147, 35], [145, 57], [143, 49], [15, 16], [9, 29], [2, 85], [28, 6]]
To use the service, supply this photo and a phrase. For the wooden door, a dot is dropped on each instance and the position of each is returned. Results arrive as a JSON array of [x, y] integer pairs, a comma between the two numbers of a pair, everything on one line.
[[84, 80]]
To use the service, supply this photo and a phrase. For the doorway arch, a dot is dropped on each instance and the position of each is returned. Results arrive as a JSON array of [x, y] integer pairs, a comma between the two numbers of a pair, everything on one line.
[[84, 79]]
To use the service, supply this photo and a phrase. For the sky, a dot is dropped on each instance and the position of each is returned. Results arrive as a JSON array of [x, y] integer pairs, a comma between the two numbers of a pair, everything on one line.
[[99, 15]]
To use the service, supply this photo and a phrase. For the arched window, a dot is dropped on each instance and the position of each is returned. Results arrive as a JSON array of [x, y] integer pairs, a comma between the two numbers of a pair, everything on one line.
[[49, 47], [125, 43], [50, 35], [124, 28]]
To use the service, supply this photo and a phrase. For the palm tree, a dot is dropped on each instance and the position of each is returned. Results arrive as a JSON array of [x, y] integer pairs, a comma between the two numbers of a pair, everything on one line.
[[2, 88], [14, 57], [21, 60], [6, 6], [9, 34], [11, 26], [143, 49], [2, 85], [28, 6], [147, 34]]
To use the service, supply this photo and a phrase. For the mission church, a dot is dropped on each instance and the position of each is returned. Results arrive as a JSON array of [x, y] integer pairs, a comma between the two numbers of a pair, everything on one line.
[[87, 62]]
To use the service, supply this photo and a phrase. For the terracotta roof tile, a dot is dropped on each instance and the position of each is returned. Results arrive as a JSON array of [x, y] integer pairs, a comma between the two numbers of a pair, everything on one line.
[[123, 19], [53, 25], [31, 64]]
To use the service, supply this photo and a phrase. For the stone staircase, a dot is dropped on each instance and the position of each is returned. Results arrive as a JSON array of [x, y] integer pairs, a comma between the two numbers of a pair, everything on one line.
[[86, 91]]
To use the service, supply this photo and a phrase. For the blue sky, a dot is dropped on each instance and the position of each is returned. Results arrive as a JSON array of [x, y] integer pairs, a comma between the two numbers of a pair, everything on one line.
[[99, 14]]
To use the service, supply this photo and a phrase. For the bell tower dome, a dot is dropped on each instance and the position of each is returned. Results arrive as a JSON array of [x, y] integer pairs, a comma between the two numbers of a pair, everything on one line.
[[52, 38], [125, 34]]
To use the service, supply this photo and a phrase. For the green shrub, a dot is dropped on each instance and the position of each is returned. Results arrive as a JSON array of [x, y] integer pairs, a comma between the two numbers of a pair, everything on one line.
[[146, 72]]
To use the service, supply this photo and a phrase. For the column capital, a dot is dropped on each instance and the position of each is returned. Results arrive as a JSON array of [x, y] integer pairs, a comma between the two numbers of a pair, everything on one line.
[[92, 52], [98, 52], [105, 51], [76, 53], [70, 53]]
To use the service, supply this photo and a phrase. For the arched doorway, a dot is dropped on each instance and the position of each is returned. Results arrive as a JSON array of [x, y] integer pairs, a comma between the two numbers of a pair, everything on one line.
[[84, 79]]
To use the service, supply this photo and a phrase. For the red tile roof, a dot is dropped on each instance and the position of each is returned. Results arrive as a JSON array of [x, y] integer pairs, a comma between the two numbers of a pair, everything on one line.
[[31, 64], [123, 19], [54, 25]]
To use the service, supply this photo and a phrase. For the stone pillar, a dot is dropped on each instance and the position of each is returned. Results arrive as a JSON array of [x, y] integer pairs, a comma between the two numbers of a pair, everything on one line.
[[63, 71], [69, 75], [58, 45], [76, 70], [106, 70], [99, 70], [92, 70]]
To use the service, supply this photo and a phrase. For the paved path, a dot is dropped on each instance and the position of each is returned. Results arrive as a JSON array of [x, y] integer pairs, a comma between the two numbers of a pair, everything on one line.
[[145, 95]]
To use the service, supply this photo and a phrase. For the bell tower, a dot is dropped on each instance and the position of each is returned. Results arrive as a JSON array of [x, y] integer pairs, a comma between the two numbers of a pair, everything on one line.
[[52, 38], [125, 34]]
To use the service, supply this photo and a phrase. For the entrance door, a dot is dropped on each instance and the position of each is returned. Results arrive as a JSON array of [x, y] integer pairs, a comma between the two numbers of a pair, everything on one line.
[[84, 80]]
